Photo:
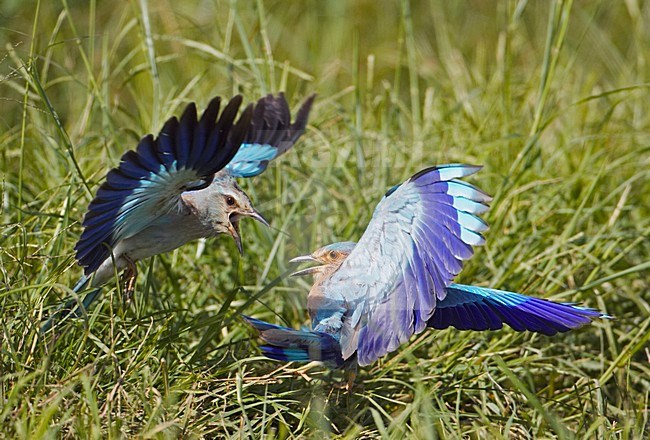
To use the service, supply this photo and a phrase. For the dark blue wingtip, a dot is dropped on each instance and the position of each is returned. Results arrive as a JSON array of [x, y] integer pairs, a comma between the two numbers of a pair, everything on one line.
[[303, 114], [589, 312], [465, 170], [271, 122], [392, 189], [478, 308]]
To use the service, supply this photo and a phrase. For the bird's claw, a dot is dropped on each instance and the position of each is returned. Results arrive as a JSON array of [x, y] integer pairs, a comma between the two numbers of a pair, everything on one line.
[[128, 279], [129, 288], [348, 384]]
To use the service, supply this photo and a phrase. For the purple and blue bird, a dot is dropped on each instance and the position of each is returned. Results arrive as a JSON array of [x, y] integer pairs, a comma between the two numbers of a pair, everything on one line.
[[370, 297], [180, 186]]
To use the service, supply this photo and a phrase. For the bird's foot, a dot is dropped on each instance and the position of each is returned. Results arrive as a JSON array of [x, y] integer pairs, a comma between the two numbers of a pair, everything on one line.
[[349, 383], [128, 279]]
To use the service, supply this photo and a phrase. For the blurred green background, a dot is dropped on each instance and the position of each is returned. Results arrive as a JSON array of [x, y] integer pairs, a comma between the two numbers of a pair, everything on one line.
[[550, 96]]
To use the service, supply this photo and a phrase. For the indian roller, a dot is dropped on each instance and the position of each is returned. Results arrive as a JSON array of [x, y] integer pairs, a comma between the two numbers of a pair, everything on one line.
[[370, 297], [180, 186]]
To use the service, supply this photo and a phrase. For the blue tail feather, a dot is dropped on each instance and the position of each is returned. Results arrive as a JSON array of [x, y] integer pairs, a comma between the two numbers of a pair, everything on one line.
[[72, 306], [291, 345]]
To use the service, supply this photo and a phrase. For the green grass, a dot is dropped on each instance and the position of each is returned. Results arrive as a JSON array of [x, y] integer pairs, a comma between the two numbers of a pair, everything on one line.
[[551, 97]]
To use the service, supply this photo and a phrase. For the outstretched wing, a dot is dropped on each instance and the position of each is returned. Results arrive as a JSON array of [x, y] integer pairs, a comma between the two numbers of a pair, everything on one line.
[[413, 247], [148, 182], [478, 308], [271, 133]]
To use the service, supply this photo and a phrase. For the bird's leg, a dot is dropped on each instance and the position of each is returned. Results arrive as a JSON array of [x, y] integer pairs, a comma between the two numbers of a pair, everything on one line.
[[352, 375], [128, 278], [349, 383]]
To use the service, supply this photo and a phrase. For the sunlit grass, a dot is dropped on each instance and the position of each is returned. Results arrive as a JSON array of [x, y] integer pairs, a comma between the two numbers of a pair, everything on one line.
[[550, 97]]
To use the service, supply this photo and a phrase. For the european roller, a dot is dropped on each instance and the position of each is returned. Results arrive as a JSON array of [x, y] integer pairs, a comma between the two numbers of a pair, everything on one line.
[[180, 186], [370, 297]]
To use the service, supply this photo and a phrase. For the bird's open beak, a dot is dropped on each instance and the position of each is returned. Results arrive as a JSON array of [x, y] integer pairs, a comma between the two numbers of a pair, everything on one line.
[[302, 259], [233, 228], [307, 271]]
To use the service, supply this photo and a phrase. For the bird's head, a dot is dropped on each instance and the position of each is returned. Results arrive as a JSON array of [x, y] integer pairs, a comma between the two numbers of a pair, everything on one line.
[[330, 258], [221, 205]]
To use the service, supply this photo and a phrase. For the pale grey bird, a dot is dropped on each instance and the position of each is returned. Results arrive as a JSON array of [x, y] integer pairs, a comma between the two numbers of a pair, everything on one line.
[[180, 186]]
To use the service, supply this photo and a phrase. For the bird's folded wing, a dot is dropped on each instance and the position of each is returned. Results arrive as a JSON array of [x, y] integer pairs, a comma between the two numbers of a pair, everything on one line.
[[271, 133], [413, 247], [148, 182], [478, 308]]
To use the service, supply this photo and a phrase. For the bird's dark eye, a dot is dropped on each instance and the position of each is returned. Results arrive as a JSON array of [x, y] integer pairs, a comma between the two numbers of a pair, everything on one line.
[[333, 254], [230, 200]]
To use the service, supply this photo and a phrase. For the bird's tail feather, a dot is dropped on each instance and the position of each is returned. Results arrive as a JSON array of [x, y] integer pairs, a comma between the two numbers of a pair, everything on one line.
[[478, 308], [72, 307], [291, 345]]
